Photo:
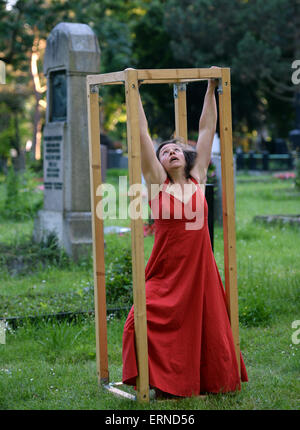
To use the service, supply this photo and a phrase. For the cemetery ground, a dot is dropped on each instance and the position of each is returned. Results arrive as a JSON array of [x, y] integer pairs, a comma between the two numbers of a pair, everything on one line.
[[50, 364]]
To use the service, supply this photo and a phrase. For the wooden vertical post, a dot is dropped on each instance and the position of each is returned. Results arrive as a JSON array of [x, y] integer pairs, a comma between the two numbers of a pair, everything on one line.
[[98, 234], [137, 237], [229, 208], [180, 111]]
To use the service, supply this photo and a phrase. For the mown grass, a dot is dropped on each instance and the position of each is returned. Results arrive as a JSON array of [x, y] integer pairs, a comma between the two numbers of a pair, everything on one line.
[[52, 365]]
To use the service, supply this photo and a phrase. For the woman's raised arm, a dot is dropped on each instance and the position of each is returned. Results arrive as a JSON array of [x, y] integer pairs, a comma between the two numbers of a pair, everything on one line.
[[153, 171], [207, 129]]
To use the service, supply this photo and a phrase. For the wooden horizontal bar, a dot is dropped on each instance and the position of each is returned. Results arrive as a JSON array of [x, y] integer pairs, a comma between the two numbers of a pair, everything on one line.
[[173, 74], [157, 76], [170, 81], [106, 78], [111, 83]]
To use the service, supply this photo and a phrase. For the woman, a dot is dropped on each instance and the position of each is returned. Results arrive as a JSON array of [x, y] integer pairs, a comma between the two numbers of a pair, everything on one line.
[[190, 343]]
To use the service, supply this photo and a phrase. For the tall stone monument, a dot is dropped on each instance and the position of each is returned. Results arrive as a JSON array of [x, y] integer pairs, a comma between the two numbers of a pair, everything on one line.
[[72, 52]]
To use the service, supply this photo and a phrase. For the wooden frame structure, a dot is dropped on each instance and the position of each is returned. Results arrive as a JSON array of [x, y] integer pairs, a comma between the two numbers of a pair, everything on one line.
[[131, 78]]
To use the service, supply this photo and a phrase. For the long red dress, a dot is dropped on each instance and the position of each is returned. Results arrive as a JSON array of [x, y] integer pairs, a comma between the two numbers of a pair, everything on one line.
[[190, 342]]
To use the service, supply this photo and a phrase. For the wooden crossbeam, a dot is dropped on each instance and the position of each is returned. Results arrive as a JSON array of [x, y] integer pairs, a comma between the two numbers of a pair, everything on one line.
[[106, 78], [156, 76], [171, 74]]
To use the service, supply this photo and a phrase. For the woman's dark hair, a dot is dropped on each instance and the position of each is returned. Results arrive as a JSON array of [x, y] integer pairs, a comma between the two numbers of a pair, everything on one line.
[[189, 152]]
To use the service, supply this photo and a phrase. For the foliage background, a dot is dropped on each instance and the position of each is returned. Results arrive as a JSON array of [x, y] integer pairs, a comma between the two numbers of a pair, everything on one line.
[[258, 40]]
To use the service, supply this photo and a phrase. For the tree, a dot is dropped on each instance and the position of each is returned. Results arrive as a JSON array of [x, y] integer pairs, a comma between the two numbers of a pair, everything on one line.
[[151, 50], [11, 109], [25, 26], [258, 40]]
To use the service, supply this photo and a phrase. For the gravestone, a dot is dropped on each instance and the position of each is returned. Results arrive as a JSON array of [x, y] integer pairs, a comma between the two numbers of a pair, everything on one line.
[[72, 53]]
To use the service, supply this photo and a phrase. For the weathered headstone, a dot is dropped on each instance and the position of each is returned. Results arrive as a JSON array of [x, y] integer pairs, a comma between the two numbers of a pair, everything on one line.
[[72, 52]]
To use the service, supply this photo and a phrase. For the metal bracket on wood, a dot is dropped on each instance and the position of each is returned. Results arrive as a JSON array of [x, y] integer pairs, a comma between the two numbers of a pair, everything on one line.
[[94, 89], [220, 87], [178, 87]]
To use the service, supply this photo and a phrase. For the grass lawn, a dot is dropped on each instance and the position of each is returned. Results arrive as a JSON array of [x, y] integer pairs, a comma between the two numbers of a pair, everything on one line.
[[52, 365]]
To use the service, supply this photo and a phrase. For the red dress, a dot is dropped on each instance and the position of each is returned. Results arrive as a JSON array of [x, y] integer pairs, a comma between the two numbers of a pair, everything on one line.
[[190, 342]]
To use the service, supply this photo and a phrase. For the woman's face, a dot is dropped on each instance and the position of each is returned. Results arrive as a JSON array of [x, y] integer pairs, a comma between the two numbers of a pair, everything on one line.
[[171, 156]]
